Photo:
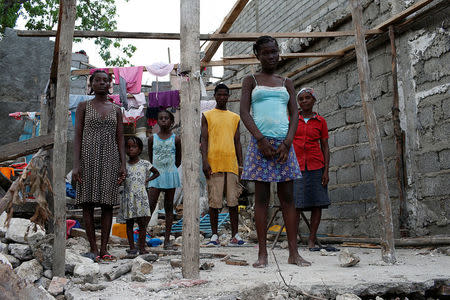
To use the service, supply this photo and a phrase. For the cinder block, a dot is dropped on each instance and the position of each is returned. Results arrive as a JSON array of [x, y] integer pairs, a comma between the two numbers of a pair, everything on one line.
[[341, 194], [362, 134], [444, 159], [347, 211], [428, 162], [348, 175], [441, 132], [364, 191], [354, 115], [332, 176], [436, 185], [362, 152], [379, 86], [380, 64], [350, 98], [446, 107], [383, 106], [342, 157], [336, 84], [425, 115], [346, 137], [366, 171], [336, 120], [388, 145], [328, 105]]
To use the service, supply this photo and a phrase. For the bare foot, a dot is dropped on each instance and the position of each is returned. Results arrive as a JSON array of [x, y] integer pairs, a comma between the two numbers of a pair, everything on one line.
[[311, 243], [261, 262], [299, 261]]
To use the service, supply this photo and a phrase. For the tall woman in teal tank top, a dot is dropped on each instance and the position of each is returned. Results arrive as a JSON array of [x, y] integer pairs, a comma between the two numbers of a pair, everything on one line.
[[270, 156]]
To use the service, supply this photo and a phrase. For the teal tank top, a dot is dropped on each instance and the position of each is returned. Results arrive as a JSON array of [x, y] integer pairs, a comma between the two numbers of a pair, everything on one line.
[[269, 110]]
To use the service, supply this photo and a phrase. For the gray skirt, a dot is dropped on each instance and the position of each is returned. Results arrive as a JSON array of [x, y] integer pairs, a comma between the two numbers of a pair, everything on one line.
[[309, 192]]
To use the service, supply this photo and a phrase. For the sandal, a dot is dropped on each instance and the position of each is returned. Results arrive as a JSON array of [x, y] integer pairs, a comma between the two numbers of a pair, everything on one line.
[[329, 248], [109, 257], [132, 251], [313, 249]]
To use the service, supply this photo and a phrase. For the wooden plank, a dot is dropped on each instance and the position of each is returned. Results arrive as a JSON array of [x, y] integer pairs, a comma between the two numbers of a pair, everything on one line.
[[289, 55], [67, 24], [190, 125], [400, 16], [227, 22], [399, 135], [252, 36], [373, 134], [18, 149]]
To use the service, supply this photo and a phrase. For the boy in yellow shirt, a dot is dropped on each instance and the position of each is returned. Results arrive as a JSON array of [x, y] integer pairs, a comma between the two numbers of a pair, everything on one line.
[[222, 161]]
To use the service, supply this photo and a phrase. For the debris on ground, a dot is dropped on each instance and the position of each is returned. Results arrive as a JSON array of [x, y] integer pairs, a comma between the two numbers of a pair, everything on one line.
[[348, 259]]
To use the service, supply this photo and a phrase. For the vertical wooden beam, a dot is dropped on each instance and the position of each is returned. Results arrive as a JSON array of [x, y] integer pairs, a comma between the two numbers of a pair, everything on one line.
[[212, 47], [68, 9], [373, 133], [399, 139], [190, 125]]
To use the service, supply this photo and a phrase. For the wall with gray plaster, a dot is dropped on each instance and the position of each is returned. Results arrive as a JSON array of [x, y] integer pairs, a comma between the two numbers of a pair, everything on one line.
[[424, 87]]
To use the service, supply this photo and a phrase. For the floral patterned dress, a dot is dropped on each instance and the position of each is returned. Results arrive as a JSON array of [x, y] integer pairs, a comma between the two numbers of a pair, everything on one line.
[[135, 201]]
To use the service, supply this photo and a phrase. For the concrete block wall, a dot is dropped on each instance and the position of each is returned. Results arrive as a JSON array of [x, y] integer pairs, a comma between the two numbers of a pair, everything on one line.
[[424, 55]]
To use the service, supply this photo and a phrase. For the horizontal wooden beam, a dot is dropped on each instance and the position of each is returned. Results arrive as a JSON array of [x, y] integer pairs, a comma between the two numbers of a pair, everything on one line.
[[400, 16], [234, 86], [176, 36], [289, 55], [26, 147]]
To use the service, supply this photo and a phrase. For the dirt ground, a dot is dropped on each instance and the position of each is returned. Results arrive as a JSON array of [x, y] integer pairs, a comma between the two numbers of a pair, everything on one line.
[[416, 270]]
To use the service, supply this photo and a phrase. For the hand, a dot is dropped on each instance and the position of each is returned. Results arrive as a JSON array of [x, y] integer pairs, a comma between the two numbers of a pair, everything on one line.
[[266, 149], [325, 178], [155, 174], [122, 175], [207, 170], [76, 175], [282, 153]]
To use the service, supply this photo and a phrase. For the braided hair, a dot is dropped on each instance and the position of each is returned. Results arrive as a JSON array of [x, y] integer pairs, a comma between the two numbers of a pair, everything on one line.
[[135, 140], [261, 41]]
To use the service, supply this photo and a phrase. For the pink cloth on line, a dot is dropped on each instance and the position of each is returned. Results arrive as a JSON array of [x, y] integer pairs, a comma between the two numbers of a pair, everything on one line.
[[133, 77], [115, 99], [137, 100], [99, 69]]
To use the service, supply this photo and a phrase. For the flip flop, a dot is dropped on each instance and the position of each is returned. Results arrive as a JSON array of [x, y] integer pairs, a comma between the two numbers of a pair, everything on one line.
[[329, 248], [109, 257], [314, 249], [132, 251]]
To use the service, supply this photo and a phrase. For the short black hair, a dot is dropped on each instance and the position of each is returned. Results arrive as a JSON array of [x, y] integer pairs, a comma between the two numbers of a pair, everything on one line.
[[136, 140], [91, 79], [261, 41], [221, 86], [171, 116]]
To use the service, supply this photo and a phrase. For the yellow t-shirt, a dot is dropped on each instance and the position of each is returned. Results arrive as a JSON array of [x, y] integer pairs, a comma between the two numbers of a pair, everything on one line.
[[222, 125]]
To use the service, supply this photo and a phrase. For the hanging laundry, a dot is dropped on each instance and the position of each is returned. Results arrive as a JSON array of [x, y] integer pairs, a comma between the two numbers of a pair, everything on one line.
[[91, 71], [207, 105], [132, 115], [132, 77], [159, 69], [151, 122], [74, 100], [164, 99], [114, 98], [137, 100]]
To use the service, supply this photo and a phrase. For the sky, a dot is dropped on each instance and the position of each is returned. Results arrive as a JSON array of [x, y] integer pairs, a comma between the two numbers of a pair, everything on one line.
[[159, 16]]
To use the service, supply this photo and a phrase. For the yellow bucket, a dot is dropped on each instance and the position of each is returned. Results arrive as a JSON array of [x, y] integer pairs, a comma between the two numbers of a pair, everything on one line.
[[119, 230]]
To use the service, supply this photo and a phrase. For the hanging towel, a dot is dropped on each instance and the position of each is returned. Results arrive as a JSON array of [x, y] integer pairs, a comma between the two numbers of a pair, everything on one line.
[[137, 100], [132, 76], [164, 99], [159, 69], [133, 114]]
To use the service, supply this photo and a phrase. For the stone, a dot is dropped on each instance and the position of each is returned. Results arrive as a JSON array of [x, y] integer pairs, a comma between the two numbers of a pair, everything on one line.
[[89, 287], [88, 272], [3, 228], [78, 245], [284, 245], [347, 297], [48, 274], [348, 259], [207, 266], [140, 265], [175, 263], [179, 240], [12, 260], [43, 251], [4, 260], [150, 257], [57, 285], [30, 271], [3, 248], [73, 259], [117, 271], [20, 230], [44, 282], [20, 251]]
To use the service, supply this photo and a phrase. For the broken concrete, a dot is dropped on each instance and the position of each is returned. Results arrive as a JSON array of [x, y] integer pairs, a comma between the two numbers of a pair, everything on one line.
[[348, 259], [20, 251], [57, 285], [20, 230], [30, 270], [88, 273]]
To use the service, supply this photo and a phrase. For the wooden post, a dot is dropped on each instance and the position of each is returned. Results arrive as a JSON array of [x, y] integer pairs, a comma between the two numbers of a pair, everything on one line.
[[373, 133], [190, 124], [399, 140], [68, 9]]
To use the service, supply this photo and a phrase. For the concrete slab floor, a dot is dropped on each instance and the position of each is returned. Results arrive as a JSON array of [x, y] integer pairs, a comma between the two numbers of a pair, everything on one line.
[[416, 271]]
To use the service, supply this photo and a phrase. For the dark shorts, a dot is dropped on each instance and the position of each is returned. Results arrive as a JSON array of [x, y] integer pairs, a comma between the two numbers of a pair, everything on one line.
[[309, 192]]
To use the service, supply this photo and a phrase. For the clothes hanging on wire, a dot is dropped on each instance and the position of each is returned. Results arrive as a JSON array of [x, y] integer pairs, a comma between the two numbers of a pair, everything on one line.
[[133, 114], [132, 77], [115, 98], [137, 100], [164, 99], [123, 92]]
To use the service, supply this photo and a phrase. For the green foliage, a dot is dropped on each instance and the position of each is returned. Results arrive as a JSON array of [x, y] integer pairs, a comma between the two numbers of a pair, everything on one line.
[[91, 15]]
